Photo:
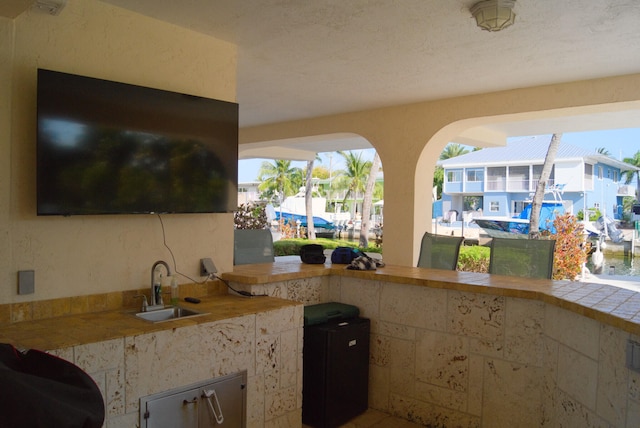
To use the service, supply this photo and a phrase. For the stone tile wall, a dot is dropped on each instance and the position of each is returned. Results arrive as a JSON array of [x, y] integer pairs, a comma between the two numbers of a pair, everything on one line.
[[308, 291], [268, 345], [457, 359]]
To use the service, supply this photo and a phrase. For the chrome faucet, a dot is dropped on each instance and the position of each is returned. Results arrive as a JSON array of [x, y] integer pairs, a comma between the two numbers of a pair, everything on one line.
[[156, 288]]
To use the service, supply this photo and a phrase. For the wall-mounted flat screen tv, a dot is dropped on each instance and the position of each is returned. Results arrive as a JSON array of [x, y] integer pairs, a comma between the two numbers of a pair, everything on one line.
[[112, 148]]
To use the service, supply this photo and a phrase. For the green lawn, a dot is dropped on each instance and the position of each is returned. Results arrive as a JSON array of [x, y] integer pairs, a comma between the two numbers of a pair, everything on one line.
[[291, 247]]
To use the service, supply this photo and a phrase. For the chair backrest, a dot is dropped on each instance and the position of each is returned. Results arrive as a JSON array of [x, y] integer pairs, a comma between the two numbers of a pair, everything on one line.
[[252, 246], [532, 258], [439, 251]]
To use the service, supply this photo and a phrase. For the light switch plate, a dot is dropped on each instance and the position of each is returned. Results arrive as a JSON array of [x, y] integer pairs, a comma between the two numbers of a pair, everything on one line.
[[26, 281]]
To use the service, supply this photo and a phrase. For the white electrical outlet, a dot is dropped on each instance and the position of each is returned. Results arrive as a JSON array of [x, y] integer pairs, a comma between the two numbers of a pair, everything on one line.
[[207, 267]]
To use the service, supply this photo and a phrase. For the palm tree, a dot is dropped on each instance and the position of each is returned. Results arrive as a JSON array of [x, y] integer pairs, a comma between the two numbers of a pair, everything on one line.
[[367, 200], [298, 179], [308, 198], [453, 150], [629, 174], [536, 204], [438, 180], [355, 175], [603, 151], [277, 178]]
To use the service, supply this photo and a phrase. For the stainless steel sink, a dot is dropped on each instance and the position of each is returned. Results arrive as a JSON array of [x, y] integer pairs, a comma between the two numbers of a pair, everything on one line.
[[168, 314]]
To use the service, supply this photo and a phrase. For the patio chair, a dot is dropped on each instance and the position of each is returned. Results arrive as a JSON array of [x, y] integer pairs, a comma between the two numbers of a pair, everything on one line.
[[531, 258], [439, 251], [252, 246]]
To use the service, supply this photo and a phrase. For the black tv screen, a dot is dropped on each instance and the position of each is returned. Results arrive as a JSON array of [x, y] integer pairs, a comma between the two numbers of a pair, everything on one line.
[[112, 148]]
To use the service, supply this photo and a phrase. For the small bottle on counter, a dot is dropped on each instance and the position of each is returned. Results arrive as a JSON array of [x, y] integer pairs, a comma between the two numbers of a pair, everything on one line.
[[174, 291]]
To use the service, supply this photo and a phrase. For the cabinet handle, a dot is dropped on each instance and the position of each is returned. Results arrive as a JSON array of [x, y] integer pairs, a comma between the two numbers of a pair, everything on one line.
[[211, 392]]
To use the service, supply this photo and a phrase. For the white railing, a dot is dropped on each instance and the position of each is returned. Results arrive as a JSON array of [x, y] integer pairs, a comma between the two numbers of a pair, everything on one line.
[[535, 181], [518, 185], [499, 184], [514, 185]]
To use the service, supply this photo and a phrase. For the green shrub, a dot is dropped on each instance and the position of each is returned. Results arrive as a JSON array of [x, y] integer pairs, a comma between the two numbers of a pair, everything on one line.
[[474, 258], [594, 214], [569, 254], [291, 247]]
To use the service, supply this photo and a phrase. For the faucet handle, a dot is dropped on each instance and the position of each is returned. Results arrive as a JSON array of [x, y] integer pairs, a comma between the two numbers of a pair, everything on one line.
[[145, 304]]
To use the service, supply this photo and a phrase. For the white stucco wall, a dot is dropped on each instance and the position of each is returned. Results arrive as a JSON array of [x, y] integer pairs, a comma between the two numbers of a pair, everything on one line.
[[96, 254], [77, 256]]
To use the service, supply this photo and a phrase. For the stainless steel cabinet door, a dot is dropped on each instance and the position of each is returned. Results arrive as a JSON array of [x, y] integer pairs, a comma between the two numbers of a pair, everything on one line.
[[217, 402], [171, 411]]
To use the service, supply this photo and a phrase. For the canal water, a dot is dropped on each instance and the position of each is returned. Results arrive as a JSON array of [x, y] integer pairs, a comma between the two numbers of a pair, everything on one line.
[[614, 265]]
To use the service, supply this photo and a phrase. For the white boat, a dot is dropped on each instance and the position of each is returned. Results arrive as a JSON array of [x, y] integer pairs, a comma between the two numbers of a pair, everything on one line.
[[518, 227], [293, 209]]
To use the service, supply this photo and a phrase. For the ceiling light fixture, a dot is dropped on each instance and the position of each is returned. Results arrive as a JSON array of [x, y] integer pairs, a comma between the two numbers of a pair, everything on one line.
[[494, 15]]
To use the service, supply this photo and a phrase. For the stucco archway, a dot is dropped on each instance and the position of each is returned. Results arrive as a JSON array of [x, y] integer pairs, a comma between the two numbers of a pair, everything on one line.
[[409, 138], [494, 130]]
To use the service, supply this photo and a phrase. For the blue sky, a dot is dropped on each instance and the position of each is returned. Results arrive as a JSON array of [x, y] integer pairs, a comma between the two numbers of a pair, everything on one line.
[[621, 143]]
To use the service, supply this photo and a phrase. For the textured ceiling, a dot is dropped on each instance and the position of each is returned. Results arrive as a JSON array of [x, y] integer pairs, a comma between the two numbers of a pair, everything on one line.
[[301, 59]]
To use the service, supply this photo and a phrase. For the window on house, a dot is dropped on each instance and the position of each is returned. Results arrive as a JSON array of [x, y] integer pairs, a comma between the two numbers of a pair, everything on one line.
[[518, 178], [518, 206], [588, 170], [472, 203], [475, 174], [599, 172], [454, 176], [615, 176], [537, 172], [243, 190], [494, 206], [496, 178], [588, 176]]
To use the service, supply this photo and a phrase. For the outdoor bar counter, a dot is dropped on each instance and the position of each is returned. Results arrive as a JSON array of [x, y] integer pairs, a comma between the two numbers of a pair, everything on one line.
[[470, 349]]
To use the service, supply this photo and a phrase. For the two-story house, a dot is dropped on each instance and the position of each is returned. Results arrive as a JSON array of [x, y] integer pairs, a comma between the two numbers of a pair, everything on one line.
[[248, 192], [501, 180]]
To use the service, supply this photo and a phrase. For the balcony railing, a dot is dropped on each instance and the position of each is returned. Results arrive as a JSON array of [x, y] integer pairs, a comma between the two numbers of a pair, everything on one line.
[[518, 185], [514, 185], [496, 185], [535, 181]]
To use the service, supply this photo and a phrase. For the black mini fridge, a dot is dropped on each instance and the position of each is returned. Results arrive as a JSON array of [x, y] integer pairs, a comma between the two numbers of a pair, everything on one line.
[[335, 365]]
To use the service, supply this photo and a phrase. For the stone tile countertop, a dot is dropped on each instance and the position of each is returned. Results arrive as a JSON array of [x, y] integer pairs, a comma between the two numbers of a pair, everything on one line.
[[618, 307], [71, 330]]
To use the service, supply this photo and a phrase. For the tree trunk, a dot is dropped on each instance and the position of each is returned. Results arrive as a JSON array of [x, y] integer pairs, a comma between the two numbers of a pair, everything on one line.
[[308, 201], [536, 204], [366, 202]]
